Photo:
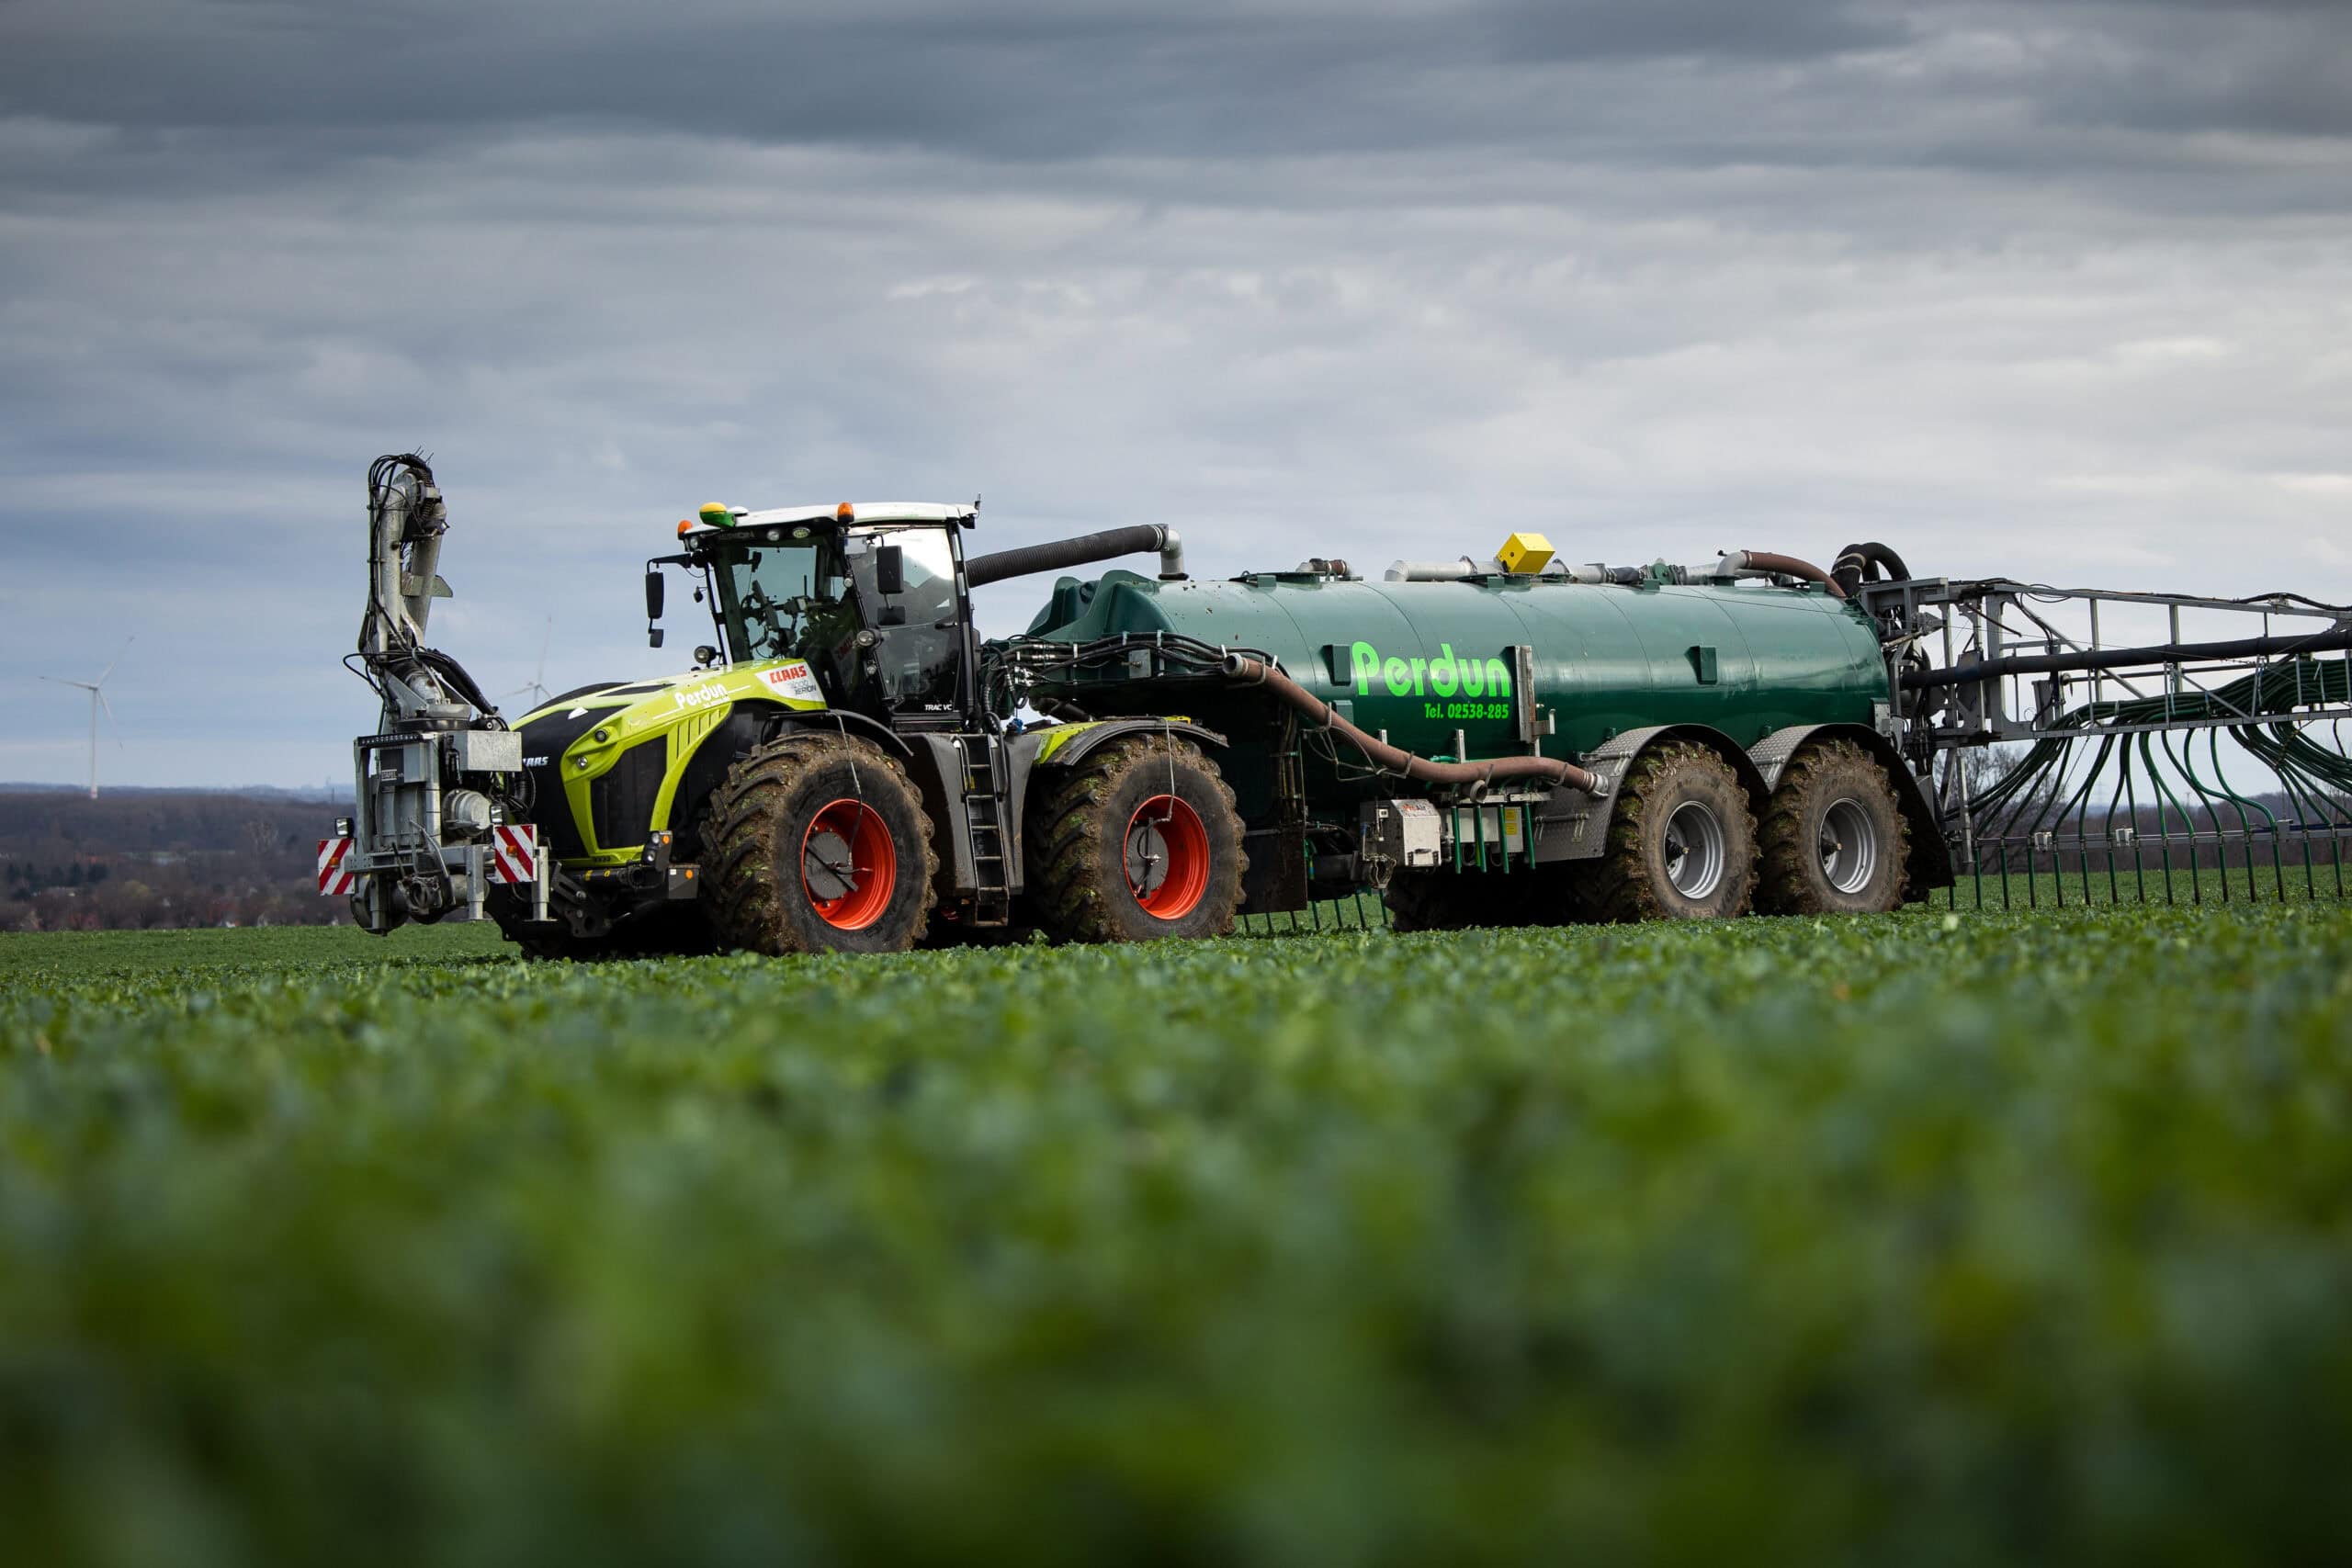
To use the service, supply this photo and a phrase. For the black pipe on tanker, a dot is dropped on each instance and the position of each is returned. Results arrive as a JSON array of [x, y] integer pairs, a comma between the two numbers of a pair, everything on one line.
[[1859, 563], [1111, 542], [1396, 758]]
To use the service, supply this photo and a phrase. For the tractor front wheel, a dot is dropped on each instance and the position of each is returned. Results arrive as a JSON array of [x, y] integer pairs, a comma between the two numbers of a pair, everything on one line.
[[818, 844], [1138, 841], [1681, 844]]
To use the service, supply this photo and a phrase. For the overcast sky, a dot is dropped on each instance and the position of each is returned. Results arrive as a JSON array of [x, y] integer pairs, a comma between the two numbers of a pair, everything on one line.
[[2062, 291]]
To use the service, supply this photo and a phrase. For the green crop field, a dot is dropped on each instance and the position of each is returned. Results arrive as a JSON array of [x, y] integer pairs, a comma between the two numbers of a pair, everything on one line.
[[1945, 1238]]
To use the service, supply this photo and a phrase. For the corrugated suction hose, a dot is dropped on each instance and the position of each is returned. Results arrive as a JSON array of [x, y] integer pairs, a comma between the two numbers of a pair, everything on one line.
[[1396, 758]]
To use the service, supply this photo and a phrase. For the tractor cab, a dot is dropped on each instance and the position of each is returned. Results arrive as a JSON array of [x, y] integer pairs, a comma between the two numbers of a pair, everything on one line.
[[871, 597]]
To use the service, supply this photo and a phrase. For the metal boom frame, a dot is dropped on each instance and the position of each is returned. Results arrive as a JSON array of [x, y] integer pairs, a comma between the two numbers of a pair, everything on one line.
[[2172, 767]]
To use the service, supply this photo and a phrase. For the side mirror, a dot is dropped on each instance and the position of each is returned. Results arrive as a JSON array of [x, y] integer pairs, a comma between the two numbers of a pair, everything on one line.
[[889, 570], [653, 594]]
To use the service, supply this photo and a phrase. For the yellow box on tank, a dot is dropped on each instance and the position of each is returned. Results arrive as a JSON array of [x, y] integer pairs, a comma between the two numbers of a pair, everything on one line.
[[1523, 555]]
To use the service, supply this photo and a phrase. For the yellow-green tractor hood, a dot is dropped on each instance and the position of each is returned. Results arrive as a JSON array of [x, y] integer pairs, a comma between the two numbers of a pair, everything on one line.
[[606, 763]]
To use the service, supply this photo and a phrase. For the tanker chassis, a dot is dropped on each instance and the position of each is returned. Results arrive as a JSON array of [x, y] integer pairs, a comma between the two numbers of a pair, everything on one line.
[[849, 767]]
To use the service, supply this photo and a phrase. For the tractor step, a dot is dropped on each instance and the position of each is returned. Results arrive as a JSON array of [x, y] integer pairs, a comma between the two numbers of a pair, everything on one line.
[[984, 826]]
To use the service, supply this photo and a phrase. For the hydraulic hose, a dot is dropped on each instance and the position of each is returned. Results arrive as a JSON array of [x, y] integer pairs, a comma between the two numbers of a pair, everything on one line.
[[1111, 542], [1739, 561], [453, 675], [1396, 758], [1857, 564]]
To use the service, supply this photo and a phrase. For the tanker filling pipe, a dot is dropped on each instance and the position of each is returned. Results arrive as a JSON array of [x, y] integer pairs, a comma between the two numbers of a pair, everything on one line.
[[1463, 568], [1396, 758], [1765, 563], [1111, 542], [1453, 571]]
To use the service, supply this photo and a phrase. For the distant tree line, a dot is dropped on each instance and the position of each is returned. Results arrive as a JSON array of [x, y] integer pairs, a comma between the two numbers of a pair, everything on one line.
[[145, 860]]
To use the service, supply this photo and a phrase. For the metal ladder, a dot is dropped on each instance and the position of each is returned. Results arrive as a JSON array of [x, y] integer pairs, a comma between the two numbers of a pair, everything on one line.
[[984, 821]]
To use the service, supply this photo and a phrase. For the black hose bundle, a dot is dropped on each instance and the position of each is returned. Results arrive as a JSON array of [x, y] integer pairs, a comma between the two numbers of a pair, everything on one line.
[[1011, 667], [1858, 564]]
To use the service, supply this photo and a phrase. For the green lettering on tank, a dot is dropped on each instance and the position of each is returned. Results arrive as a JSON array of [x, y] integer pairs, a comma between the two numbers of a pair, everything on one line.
[[1446, 675]]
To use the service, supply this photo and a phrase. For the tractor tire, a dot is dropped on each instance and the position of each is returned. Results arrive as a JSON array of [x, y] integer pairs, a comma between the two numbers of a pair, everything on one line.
[[1451, 901], [1682, 844], [1835, 840], [816, 844], [1139, 841]]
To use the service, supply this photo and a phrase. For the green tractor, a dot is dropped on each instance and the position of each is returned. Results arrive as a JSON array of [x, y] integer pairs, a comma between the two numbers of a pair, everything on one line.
[[827, 777]]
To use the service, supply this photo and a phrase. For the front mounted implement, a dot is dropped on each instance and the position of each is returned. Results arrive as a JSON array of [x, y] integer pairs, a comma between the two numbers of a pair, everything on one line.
[[441, 800]]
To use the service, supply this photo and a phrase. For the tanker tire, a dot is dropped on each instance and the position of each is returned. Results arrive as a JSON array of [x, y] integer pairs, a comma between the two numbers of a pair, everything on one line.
[[1797, 826], [1081, 828], [1634, 878], [757, 830]]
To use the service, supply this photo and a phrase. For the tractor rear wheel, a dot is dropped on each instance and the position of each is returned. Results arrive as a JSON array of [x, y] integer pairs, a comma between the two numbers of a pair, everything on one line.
[[1681, 844], [1835, 840], [1139, 841], [816, 844]]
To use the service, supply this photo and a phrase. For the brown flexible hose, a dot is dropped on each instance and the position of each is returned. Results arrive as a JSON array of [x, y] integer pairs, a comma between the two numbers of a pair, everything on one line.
[[1396, 758], [1789, 566]]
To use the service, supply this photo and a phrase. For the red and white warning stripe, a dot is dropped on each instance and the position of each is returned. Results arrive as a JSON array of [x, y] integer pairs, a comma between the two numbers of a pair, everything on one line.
[[335, 878], [513, 853]]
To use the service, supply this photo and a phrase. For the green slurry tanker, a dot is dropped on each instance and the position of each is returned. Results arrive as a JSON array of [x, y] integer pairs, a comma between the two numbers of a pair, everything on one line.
[[848, 766]]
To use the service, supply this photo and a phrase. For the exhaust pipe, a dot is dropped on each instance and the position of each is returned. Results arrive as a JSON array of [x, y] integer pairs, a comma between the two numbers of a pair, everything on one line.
[[1109, 545], [1396, 758]]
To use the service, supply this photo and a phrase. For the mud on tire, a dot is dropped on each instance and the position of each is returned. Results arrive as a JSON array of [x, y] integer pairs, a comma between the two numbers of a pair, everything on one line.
[[1835, 840], [1138, 841], [816, 844], [1681, 843]]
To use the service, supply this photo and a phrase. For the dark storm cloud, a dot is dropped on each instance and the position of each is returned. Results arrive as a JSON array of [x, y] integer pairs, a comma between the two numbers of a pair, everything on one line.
[[1056, 82]]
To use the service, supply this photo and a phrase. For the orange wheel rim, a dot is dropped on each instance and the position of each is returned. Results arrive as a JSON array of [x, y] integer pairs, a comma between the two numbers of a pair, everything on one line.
[[849, 868], [1167, 858]]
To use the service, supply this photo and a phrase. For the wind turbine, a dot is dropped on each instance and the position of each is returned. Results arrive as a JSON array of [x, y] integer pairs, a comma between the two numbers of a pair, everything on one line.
[[536, 686], [97, 700]]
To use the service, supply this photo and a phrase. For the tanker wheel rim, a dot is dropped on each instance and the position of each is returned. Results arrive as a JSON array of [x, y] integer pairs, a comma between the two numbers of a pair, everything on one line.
[[1696, 850], [849, 867], [1849, 846], [1165, 856]]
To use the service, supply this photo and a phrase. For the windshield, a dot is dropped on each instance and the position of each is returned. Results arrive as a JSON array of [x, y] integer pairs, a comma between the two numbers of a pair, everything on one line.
[[807, 595], [769, 597]]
